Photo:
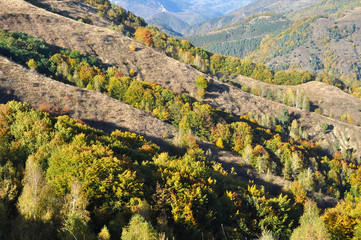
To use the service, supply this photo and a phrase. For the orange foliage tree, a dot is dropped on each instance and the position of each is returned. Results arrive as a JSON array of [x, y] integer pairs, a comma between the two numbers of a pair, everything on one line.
[[143, 35]]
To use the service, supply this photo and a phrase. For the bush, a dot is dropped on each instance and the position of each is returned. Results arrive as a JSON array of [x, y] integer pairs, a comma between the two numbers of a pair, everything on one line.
[[246, 88], [32, 64], [324, 127], [131, 72], [132, 48], [201, 82], [318, 110]]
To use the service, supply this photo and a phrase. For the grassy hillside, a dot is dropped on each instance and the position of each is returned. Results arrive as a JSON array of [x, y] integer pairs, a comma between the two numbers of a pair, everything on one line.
[[241, 39]]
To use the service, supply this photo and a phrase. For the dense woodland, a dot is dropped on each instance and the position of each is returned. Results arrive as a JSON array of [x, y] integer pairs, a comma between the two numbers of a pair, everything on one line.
[[243, 38], [63, 179]]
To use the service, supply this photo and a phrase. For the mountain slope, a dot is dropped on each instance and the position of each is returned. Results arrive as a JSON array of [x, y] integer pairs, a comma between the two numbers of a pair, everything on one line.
[[277, 6], [241, 39], [329, 44], [185, 9], [113, 48], [63, 175], [165, 19]]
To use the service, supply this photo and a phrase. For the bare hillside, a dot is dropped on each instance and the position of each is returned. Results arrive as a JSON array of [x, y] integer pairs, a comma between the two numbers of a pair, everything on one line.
[[99, 110], [330, 99], [109, 46], [113, 48], [234, 100]]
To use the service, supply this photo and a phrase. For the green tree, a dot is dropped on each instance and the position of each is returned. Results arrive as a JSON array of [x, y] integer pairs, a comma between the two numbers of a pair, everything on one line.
[[201, 82], [324, 127], [311, 225], [139, 229]]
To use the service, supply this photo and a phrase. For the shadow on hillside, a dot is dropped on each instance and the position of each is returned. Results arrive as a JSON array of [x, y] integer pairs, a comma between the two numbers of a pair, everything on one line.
[[109, 127], [218, 88], [247, 173], [7, 95]]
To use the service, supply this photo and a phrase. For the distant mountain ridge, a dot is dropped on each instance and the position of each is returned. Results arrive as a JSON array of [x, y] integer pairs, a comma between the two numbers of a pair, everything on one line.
[[173, 13], [258, 6]]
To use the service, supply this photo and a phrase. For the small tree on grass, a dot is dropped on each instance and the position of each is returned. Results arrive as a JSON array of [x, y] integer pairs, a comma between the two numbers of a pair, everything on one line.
[[201, 82], [324, 127], [202, 85]]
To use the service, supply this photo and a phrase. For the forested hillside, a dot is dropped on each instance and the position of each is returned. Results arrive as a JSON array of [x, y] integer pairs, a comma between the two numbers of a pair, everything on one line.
[[327, 7], [322, 43], [241, 39], [61, 179]]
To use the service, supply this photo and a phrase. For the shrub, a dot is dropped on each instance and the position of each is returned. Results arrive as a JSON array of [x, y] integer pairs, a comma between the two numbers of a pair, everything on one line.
[[318, 110], [324, 127], [32, 64], [139, 228], [131, 72], [246, 88], [201, 82], [132, 48]]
